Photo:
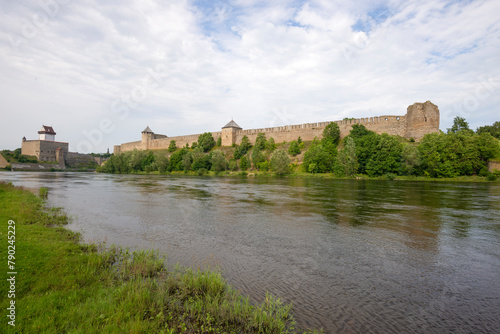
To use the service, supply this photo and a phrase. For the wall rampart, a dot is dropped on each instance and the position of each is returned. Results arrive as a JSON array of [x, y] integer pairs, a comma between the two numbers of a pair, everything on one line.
[[420, 119]]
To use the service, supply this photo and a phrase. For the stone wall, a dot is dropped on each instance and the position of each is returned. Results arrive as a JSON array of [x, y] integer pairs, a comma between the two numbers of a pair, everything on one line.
[[3, 162], [80, 160], [420, 119], [493, 166], [43, 150]]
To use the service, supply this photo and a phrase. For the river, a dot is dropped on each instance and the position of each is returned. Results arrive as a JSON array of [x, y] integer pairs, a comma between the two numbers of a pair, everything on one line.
[[353, 256]]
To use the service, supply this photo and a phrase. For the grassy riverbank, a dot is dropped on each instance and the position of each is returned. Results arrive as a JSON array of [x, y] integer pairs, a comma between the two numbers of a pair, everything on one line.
[[62, 285]]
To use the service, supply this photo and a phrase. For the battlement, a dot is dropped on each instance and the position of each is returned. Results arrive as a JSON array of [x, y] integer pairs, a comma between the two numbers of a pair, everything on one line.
[[420, 119]]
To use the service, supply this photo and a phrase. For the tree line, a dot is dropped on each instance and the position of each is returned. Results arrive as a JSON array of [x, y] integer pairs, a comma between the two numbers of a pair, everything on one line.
[[458, 152]]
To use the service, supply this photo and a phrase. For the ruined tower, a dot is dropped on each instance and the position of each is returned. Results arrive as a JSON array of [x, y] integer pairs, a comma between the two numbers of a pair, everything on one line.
[[421, 118]]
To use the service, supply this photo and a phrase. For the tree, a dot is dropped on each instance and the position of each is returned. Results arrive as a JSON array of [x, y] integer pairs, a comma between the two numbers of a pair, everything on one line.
[[347, 158], [243, 148], [200, 159], [317, 159], [410, 159], [219, 142], [270, 145], [494, 129], [280, 162], [172, 147], [161, 160], [386, 158], [206, 141], [365, 142], [257, 156], [294, 148], [218, 161], [459, 124], [244, 164], [331, 135], [176, 160], [260, 142]]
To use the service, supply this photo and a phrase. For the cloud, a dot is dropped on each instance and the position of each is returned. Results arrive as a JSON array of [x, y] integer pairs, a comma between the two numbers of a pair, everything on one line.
[[262, 63]]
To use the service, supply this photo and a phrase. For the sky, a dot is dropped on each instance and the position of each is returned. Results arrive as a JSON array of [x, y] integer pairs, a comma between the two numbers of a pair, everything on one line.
[[100, 72]]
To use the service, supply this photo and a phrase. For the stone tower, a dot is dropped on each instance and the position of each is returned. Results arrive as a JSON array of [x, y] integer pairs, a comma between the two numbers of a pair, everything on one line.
[[147, 136], [229, 133], [421, 118]]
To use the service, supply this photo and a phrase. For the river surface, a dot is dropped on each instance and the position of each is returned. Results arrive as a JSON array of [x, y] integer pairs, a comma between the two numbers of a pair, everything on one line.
[[352, 256]]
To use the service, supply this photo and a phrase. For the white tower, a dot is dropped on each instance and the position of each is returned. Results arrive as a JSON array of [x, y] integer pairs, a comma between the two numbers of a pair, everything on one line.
[[47, 133]]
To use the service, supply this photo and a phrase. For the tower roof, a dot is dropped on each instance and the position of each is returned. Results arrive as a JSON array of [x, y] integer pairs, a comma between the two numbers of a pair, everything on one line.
[[231, 124], [147, 130], [47, 130]]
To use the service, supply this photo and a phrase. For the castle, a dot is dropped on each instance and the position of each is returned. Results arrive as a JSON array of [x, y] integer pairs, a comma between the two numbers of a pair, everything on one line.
[[420, 119], [46, 148]]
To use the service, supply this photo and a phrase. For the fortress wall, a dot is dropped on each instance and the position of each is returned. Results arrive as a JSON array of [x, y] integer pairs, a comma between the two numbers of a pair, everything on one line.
[[180, 141], [130, 146], [420, 119], [394, 125]]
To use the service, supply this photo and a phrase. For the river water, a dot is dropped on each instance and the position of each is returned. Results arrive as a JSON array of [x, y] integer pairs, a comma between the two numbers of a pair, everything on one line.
[[353, 256]]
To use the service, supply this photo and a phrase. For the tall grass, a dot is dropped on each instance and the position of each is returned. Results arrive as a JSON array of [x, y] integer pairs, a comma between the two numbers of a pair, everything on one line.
[[64, 286]]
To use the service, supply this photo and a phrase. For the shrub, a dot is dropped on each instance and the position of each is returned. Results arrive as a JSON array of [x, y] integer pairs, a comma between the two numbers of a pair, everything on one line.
[[280, 162], [294, 148], [172, 147], [206, 141]]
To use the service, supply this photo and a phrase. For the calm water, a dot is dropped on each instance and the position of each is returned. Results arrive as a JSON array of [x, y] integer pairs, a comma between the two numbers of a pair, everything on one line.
[[352, 256]]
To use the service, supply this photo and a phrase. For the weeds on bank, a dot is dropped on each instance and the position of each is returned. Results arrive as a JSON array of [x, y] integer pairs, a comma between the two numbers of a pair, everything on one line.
[[65, 286]]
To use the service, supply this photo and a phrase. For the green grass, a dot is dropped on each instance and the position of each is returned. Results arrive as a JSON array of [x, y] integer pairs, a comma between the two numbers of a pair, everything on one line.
[[63, 286]]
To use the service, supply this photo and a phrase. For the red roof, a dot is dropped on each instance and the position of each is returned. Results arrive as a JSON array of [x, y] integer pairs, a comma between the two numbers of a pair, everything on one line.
[[47, 130]]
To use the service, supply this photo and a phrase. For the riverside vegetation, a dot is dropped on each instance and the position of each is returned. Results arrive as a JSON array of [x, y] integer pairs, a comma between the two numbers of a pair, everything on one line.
[[65, 286], [460, 152]]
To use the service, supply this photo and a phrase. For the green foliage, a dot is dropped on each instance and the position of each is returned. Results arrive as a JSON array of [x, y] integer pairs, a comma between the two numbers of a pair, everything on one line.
[[457, 154], [176, 160], [243, 148], [410, 160], [43, 192], [365, 142], [232, 165], [280, 162], [386, 158], [331, 135], [493, 130], [294, 148], [218, 161], [193, 145], [219, 142], [459, 124], [172, 147], [244, 163], [260, 142], [270, 145], [257, 156], [263, 166], [16, 156], [318, 159], [206, 141], [347, 160]]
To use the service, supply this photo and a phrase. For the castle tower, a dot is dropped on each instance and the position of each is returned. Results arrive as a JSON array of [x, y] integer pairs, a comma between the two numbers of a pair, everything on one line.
[[229, 133], [47, 133], [147, 137], [421, 118]]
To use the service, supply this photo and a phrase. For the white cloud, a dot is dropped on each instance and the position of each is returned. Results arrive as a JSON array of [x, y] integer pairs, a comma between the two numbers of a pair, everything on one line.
[[261, 63]]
